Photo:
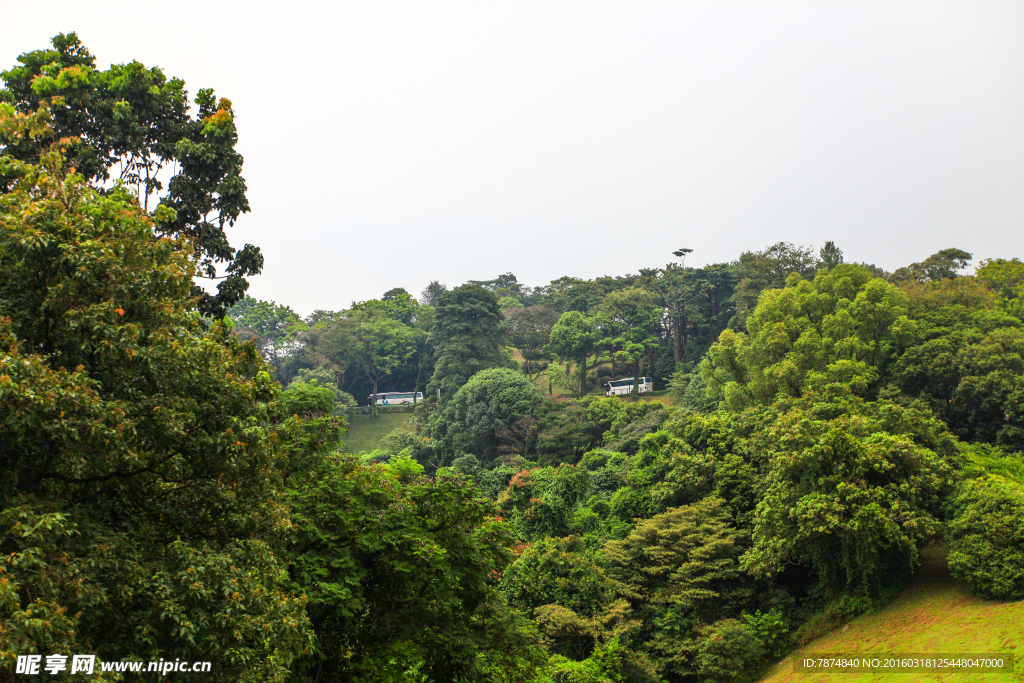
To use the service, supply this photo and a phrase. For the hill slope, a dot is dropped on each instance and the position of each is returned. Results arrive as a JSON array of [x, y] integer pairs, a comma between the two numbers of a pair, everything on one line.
[[364, 433], [935, 615]]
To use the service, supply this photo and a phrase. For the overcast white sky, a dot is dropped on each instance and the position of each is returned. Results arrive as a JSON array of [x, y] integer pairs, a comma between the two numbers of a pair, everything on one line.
[[390, 143]]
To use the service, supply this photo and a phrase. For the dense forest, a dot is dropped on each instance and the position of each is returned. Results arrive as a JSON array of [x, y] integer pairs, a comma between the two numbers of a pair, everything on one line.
[[175, 480]]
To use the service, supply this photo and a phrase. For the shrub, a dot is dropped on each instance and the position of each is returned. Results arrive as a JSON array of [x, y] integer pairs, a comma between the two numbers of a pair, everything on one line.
[[305, 398], [489, 415], [730, 652], [987, 538]]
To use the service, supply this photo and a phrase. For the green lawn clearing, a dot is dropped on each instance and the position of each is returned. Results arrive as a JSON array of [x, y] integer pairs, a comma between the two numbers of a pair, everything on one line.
[[364, 433], [935, 615]]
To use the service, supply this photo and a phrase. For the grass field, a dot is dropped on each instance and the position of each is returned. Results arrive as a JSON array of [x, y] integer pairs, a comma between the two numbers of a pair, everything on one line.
[[933, 616], [364, 433]]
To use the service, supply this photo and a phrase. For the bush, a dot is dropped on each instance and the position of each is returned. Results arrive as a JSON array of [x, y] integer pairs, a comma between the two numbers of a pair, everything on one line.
[[730, 652], [306, 398], [490, 415], [987, 538], [564, 433]]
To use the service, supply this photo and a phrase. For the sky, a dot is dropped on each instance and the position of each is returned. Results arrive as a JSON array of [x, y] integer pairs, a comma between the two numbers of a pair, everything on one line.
[[388, 144]]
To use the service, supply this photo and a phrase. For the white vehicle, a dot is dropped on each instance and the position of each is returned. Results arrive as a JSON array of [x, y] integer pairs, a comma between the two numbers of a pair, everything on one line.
[[396, 398], [622, 387]]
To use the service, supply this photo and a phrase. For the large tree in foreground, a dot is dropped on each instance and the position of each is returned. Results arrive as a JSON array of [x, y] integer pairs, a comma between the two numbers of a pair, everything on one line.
[[134, 125], [139, 478]]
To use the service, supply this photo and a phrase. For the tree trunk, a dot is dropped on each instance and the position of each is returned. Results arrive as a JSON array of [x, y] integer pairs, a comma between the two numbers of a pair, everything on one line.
[[677, 347], [373, 403], [683, 319], [636, 378], [583, 376]]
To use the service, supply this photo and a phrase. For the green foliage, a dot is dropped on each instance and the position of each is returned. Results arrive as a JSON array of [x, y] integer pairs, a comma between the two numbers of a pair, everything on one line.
[[139, 472], [490, 482], [325, 378], [844, 328], [487, 416], [830, 255], [396, 304], [770, 629], [680, 572], [853, 489], [304, 398], [507, 303], [767, 269], [729, 652], [572, 339], [431, 294], [529, 329], [273, 327], [605, 665], [132, 121], [542, 501], [634, 421], [691, 391], [987, 537], [468, 337], [557, 571], [409, 588], [1004, 277], [564, 432], [969, 365], [379, 345], [627, 320], [942, 265]]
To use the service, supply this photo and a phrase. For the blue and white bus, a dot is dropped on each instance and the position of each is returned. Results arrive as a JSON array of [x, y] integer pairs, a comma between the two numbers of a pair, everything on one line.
[[396, 398], [624, 386]]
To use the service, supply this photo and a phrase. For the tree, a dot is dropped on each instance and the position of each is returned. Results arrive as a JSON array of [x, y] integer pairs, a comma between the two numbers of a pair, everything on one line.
[[627, 319], [483, 410], [853, 490], [987, 534], [134, 127], [680, 571], [396, 304], [139, 469], [468, 337], [431, 294], [968, 362], [715, 285], [399, 572], [942, 265], [846, 327], [1005, 277], [830, 255], [768, 269], [504, 281], [573, 338], [272, 326], [379, 345], [529, 330], [675, 293]]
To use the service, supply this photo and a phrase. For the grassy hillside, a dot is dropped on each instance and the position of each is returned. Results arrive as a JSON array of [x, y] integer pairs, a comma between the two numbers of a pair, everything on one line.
[[364, 433], [935, 615]]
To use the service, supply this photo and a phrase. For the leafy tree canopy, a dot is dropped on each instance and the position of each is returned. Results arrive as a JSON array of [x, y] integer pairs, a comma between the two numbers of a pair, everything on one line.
[[468, 337], [942, 265], [135, 127], [483, 411], [139, 471], [845, 327]]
